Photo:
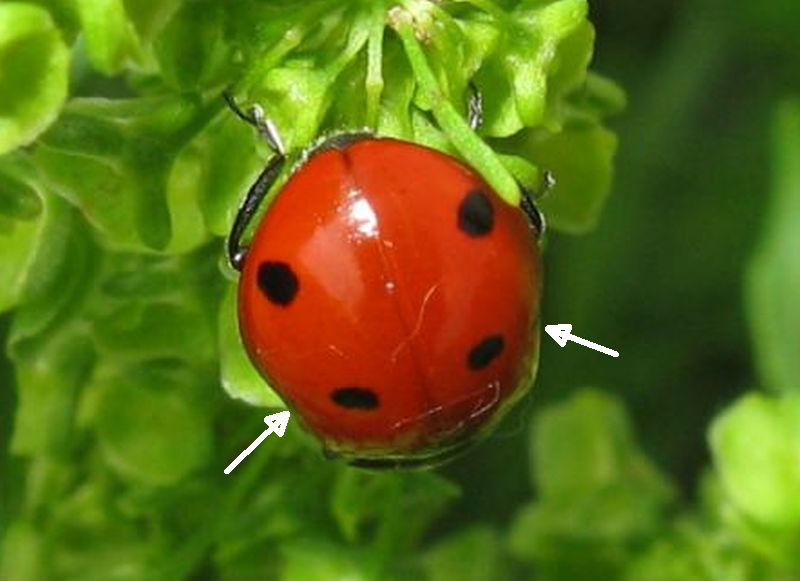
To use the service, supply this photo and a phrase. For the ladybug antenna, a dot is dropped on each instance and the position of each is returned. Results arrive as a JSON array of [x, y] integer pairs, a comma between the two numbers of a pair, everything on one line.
[[255, 117], [266, 179]]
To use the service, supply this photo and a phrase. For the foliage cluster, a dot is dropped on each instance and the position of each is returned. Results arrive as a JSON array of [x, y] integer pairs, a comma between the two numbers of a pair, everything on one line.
[[120, 174]]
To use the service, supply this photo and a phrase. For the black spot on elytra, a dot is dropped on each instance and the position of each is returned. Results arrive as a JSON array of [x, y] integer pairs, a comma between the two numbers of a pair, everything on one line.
[[355, 398], [278, 282], [485, 352], [476, 214]]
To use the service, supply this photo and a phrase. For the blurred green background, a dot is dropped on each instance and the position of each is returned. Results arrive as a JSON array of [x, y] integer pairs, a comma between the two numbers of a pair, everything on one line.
[[680, 460]]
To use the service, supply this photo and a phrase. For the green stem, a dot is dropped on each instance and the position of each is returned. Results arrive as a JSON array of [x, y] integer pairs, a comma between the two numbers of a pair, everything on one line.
[[472, 148], [374, 81]]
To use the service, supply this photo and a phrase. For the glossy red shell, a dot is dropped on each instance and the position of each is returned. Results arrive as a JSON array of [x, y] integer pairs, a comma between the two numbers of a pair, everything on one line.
[[392, 295]]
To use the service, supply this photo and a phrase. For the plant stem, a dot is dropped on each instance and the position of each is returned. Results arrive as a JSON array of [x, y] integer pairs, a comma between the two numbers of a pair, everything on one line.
[[374, 81], [474, 150]]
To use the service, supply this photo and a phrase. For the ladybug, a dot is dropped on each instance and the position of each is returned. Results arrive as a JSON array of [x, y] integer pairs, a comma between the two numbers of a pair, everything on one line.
[[388, 295]]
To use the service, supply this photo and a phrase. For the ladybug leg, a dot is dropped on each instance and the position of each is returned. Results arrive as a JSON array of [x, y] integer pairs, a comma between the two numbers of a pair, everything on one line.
[[266, 128], [528, 204], [475, 107], [255, 117], [535, 217]]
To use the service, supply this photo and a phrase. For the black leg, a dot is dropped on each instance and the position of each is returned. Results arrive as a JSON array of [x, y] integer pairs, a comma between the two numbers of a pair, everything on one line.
[[475, 107], [528, 204], [535, 217], [236, 250]]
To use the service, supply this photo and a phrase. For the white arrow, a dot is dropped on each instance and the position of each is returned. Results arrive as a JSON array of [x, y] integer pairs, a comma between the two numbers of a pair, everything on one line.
[[563, 333], [277, 425]]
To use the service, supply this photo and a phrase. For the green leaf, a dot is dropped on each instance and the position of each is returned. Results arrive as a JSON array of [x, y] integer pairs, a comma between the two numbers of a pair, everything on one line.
[[692, 549], [227, 156], [596, 99], [113, 160], [357, 500], [48, 341], [185, 185], [580, 159], [191, 49], [515, 78], [147, 429], [240, 379], [111, 39], [297, 96], [18, 243], [773, 277], [316, 560], [92, 540], [587, 444], [568, 72], [20, 553], [474, 554], [402, 505], [49, 388], [20, 193], [599, 496], [34, 63], [756, 448], [157, 308], [61, 270]]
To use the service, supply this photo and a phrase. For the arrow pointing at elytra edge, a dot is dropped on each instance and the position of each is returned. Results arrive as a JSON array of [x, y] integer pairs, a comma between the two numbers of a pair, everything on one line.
[[563, 333], [277, 425]]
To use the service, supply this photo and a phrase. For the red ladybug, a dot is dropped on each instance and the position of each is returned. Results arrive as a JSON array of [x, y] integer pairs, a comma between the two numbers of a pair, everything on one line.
[[389, 296]]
